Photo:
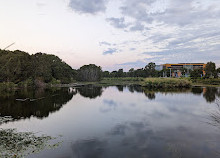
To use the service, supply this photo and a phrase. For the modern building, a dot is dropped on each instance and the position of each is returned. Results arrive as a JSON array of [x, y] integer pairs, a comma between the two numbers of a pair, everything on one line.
[[177, 69]]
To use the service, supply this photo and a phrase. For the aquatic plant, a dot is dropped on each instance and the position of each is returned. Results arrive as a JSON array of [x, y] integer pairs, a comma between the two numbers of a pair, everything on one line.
[[166, 83], [21, 144], [215, 116]]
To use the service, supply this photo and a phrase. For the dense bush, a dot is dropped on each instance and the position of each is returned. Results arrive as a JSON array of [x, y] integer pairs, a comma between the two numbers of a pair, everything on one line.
[[89, 73], [17, 66], [166, 83]]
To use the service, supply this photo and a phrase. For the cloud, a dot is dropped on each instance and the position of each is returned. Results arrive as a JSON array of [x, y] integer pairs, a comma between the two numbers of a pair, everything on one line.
[[177, 12], [104, 43], [168, 30], [40, 4], [182, 54], [137, 27], [167, 12], [131, 49], [134, 64], [188, 12], [110, 102], [110, 51], [88, 6], [137, 9], [118, 22]]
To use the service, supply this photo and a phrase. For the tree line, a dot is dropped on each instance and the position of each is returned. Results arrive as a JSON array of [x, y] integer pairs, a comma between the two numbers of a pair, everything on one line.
[[18, 66], [149, 71]]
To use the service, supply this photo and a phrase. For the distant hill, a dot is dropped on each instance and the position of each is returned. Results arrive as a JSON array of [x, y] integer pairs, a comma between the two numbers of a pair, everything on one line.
[[17, 66]]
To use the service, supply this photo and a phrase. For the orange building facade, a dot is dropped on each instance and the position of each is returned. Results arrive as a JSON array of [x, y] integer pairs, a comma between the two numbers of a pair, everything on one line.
[[176, 69]]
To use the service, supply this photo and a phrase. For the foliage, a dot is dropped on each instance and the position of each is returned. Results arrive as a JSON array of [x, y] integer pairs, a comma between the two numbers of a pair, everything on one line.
[[210, 70], [89, 72], [27, 103], [197, 73], [150, 69], [17, 66], [166, 83], [218, 70], [20, 144], [207, 81], [7, 86]]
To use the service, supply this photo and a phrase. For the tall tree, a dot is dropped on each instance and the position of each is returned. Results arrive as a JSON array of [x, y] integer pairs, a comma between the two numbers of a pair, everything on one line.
[[120, 73], [150, 69], [17, 66], [131, 72], [197, 73], [89, 72], [210, 70]]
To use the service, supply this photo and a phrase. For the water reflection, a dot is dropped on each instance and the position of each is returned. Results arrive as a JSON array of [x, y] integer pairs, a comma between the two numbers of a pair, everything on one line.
[[50, 100], [209, 93], [139, 122], [138, 139], [93, 148], [90, 91], [120, 88], [43, 102], [215, 115]]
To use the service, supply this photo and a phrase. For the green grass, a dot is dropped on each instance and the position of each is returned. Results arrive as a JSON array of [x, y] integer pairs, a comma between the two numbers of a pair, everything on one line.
[[145, 82], [207, 82], [121, 81], [166, 83]]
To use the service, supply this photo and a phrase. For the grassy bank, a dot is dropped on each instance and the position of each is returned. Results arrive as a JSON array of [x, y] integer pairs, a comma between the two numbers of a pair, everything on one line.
[[145, 82], [166, 83], [121, 81], [215, 82]]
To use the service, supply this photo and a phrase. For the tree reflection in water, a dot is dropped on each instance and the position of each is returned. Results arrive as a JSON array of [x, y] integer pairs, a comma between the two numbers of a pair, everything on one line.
[[90, 91], [209, 93], [45, 101], [51, 100]]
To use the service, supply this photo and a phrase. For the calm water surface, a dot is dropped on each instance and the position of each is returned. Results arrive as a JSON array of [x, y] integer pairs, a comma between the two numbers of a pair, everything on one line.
[[120, 122]]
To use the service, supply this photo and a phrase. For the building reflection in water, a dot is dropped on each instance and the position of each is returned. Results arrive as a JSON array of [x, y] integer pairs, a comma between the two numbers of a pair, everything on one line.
[[42, 102]]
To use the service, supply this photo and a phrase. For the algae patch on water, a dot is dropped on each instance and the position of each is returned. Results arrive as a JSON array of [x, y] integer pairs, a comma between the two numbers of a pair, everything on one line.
[[20, 144]]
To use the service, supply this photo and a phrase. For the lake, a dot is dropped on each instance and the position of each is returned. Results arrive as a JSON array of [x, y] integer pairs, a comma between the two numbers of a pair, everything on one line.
[[119, 121]]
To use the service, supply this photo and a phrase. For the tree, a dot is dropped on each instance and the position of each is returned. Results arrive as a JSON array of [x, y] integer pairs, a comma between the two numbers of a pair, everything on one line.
[[120, 73], [113, 74], [17, 66], [218, 71], [139, 73], [150, 69], [131, 72], [89, 72], [183, 71], [210, 70], [105, 74], [197, 73]]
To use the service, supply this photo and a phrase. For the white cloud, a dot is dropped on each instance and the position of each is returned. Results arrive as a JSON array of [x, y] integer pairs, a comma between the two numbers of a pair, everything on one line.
[[88, 6]]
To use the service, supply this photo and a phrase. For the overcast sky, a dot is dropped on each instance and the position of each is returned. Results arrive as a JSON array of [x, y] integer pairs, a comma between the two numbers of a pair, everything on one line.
[[114, 33]]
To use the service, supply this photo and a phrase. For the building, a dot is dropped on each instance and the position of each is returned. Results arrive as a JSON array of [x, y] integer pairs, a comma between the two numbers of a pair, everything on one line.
[[177, 70]]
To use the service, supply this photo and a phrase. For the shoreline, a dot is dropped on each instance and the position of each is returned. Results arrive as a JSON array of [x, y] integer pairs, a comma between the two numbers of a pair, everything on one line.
[[144, 82]]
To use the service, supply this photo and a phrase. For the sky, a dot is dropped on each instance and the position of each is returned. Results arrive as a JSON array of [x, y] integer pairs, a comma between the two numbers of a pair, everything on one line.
[[114, 34]]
